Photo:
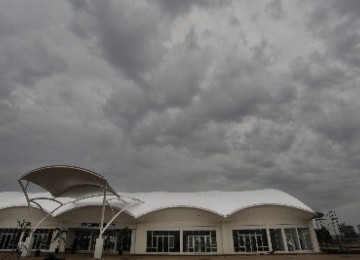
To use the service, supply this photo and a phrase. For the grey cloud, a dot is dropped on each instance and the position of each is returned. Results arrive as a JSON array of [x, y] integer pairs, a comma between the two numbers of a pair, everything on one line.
[[24, 56], [155, 99], [264, 53], [317, 72], [338, 25], [349, 8], [270, 137], [324, 103], [161, 115], [131, 44], [81, 5], [178, 110], [126, 106], [176, 8], [30, 61], [275, 9], [179, 80], [235, 92], [234, 21], [341, 123]]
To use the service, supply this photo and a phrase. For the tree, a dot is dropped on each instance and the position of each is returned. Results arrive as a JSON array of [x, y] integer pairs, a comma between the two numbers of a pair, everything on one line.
[[348, 232], [323, 236], [24, 227]]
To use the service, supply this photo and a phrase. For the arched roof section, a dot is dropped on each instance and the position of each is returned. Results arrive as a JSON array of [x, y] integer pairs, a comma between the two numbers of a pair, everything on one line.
[[180, 207], [17, 199], [269, 197], [9, 199], [221, 203], [154, 201], [96, 201], [218, 202], [67, 181], [272, 204]]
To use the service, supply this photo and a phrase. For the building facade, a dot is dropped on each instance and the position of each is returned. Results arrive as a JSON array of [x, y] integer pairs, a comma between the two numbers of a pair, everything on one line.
[[169, 223]]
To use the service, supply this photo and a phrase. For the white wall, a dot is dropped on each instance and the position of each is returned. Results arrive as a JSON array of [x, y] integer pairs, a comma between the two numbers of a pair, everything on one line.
[[171, 219], [93, 214], [10, 216], [176, 219], [261, 217]]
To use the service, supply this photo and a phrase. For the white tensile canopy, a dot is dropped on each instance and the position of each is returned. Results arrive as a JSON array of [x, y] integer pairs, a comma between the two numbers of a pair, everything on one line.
[[65, 181]]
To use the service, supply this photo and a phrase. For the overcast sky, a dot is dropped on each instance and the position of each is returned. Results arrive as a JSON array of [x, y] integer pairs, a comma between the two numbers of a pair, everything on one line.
[[186, 95]]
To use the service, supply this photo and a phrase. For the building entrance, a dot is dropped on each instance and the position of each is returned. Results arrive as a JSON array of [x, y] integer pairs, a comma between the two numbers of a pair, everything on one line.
[[115, 240], [200, 241]]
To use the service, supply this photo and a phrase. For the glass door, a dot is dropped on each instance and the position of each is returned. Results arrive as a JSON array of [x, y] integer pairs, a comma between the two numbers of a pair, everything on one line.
[[199, 241], [277, 239]]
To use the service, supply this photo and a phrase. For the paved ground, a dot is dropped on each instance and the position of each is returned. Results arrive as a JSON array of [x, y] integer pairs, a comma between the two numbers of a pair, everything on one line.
[[248, 257], [4, 256]]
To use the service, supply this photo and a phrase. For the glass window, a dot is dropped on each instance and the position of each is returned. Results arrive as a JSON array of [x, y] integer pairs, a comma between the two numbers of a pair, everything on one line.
[[109, 240], [199, 241], [163, 241], [42, 239], [114, 240], [124, 239], [292, 240], [305, 239], [9, 238], [250, 240], [84, 240], [277, 240]]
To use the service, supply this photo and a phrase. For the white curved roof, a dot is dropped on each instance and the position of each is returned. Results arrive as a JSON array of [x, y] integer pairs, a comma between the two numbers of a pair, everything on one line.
[[219, 202]]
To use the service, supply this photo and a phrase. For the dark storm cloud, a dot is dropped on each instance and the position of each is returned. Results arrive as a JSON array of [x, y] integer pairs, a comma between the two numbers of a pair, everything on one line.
[[318, 72], [132, 44], [338, 24], [274, 9], [185, 95], [24, 56], [175, 8], [328, 105]]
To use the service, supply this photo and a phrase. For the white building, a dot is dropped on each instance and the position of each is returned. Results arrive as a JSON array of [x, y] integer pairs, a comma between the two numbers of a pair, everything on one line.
[[213, 222]]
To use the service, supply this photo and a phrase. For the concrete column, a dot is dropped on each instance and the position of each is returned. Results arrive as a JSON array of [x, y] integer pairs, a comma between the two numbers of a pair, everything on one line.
[[268, 236], [140, 245], [181, 240], [133, 240], [313, 236], [225, 241], [284, 240]]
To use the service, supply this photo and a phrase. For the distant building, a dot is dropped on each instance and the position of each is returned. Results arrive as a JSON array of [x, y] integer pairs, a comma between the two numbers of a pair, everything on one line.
[[196, 223]]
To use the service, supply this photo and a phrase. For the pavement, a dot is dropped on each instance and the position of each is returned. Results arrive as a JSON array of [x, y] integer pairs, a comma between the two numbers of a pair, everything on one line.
[[319, 256]]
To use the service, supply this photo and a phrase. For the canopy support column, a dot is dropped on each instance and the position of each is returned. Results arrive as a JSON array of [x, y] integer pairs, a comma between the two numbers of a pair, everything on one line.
[[68, 182], [30, 239], [26, 195], [100, 241]]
